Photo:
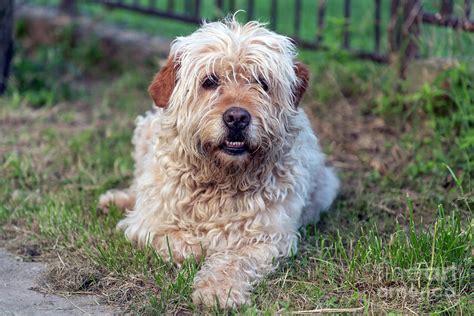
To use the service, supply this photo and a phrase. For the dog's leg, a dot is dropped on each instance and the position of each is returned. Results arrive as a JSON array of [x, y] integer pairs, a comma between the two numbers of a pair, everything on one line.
[[325, 191], [226, 277], [123, 199], [143, 135], [177, 246]]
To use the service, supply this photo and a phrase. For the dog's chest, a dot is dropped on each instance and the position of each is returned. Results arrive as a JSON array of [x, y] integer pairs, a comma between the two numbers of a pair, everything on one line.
[[227, 203]]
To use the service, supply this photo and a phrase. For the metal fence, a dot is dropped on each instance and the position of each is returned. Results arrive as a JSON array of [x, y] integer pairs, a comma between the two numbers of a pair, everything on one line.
[[402, 34], [401, 31], [193, 11]]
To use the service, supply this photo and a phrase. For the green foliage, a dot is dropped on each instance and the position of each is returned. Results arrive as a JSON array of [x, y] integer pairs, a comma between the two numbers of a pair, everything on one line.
[[434, 40], [48, 74], [445, 109], [29, 83]]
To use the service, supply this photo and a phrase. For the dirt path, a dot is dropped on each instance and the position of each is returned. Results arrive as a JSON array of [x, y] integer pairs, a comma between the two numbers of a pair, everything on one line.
[[16, 297]]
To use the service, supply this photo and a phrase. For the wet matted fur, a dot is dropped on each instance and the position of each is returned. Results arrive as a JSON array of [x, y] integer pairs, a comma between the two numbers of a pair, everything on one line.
[[234, 192]]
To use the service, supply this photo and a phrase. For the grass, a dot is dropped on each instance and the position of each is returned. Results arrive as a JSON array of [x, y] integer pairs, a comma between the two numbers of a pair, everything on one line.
[[398, 239], [435, 41]]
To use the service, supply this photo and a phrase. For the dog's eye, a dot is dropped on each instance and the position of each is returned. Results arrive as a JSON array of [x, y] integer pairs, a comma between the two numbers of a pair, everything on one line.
[[210, 82], [263, 83]]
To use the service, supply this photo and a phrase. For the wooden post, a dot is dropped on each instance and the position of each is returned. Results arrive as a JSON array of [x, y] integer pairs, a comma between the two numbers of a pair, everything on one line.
[[394, 30], [6, 41], [409, 34]]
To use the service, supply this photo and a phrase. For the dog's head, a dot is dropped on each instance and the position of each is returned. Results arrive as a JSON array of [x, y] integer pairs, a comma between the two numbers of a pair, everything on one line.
[[230, 91]]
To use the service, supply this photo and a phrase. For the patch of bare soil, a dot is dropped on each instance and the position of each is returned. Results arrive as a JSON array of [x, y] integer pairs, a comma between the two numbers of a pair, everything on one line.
[[359, 142], [18, 295], [362, 145]]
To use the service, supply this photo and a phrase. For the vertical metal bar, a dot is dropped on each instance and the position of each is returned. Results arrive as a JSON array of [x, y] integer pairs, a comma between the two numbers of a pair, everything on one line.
[[347, 17], [467, 9], [250, 5], [273, 14], [446, 8], [297, 21], [321, 22], [170, 5], [231, 6], [220, 7], [377, 25], [189, 7], [410, 32], [197, 8], [394, 30]]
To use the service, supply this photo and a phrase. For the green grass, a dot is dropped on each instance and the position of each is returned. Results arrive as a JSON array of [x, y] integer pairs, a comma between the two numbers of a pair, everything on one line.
[[398, 239], [434, 41]]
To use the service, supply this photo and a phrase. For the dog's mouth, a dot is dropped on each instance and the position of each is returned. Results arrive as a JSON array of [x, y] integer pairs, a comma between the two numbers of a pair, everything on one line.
[[234, 147]]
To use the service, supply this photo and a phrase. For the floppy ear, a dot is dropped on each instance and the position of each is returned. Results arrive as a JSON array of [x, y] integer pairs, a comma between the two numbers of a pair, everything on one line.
[[163, 84], [302, 73]]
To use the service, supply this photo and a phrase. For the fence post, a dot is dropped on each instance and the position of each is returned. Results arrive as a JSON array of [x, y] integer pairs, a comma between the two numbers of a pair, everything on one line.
[[394, 29], [68, 6], [220, 8], [6, 41], [410, 32], [447, 7]]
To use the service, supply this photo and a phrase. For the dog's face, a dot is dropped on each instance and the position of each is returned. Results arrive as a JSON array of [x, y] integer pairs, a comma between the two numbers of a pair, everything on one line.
[[230, 91]]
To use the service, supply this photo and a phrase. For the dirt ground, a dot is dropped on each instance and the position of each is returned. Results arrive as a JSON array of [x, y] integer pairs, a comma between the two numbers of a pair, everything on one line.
[[18, 297]]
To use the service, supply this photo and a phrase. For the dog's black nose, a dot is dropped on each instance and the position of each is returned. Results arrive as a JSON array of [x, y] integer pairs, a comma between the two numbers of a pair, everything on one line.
[[236, 118]]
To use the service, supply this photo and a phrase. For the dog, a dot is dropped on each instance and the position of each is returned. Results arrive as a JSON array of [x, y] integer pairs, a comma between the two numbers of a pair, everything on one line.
[[227, 166]]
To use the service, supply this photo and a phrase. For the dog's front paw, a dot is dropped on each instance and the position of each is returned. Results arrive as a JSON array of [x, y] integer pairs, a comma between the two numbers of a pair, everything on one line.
[[176, 247], [123, 199], [220, 290]]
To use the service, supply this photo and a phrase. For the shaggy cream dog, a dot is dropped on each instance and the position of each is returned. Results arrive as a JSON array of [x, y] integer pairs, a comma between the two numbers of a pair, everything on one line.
[[227, 165]]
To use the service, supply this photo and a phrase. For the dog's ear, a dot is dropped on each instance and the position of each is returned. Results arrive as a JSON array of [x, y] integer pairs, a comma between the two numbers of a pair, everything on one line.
[[163, 84], [302, 73]]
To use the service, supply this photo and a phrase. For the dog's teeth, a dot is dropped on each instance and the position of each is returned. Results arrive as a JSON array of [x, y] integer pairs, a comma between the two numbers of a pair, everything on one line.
[[234, 144]]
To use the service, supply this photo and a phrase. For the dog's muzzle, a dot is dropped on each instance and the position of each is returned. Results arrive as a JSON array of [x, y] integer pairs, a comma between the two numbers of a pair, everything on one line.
[[236, 120]]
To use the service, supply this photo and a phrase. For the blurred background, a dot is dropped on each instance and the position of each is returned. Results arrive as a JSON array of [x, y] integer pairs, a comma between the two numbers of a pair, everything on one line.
[[437, 33], [391, 99]]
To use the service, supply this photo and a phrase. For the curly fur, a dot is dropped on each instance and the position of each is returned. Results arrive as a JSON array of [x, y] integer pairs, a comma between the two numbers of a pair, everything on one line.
[[189, 197]]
